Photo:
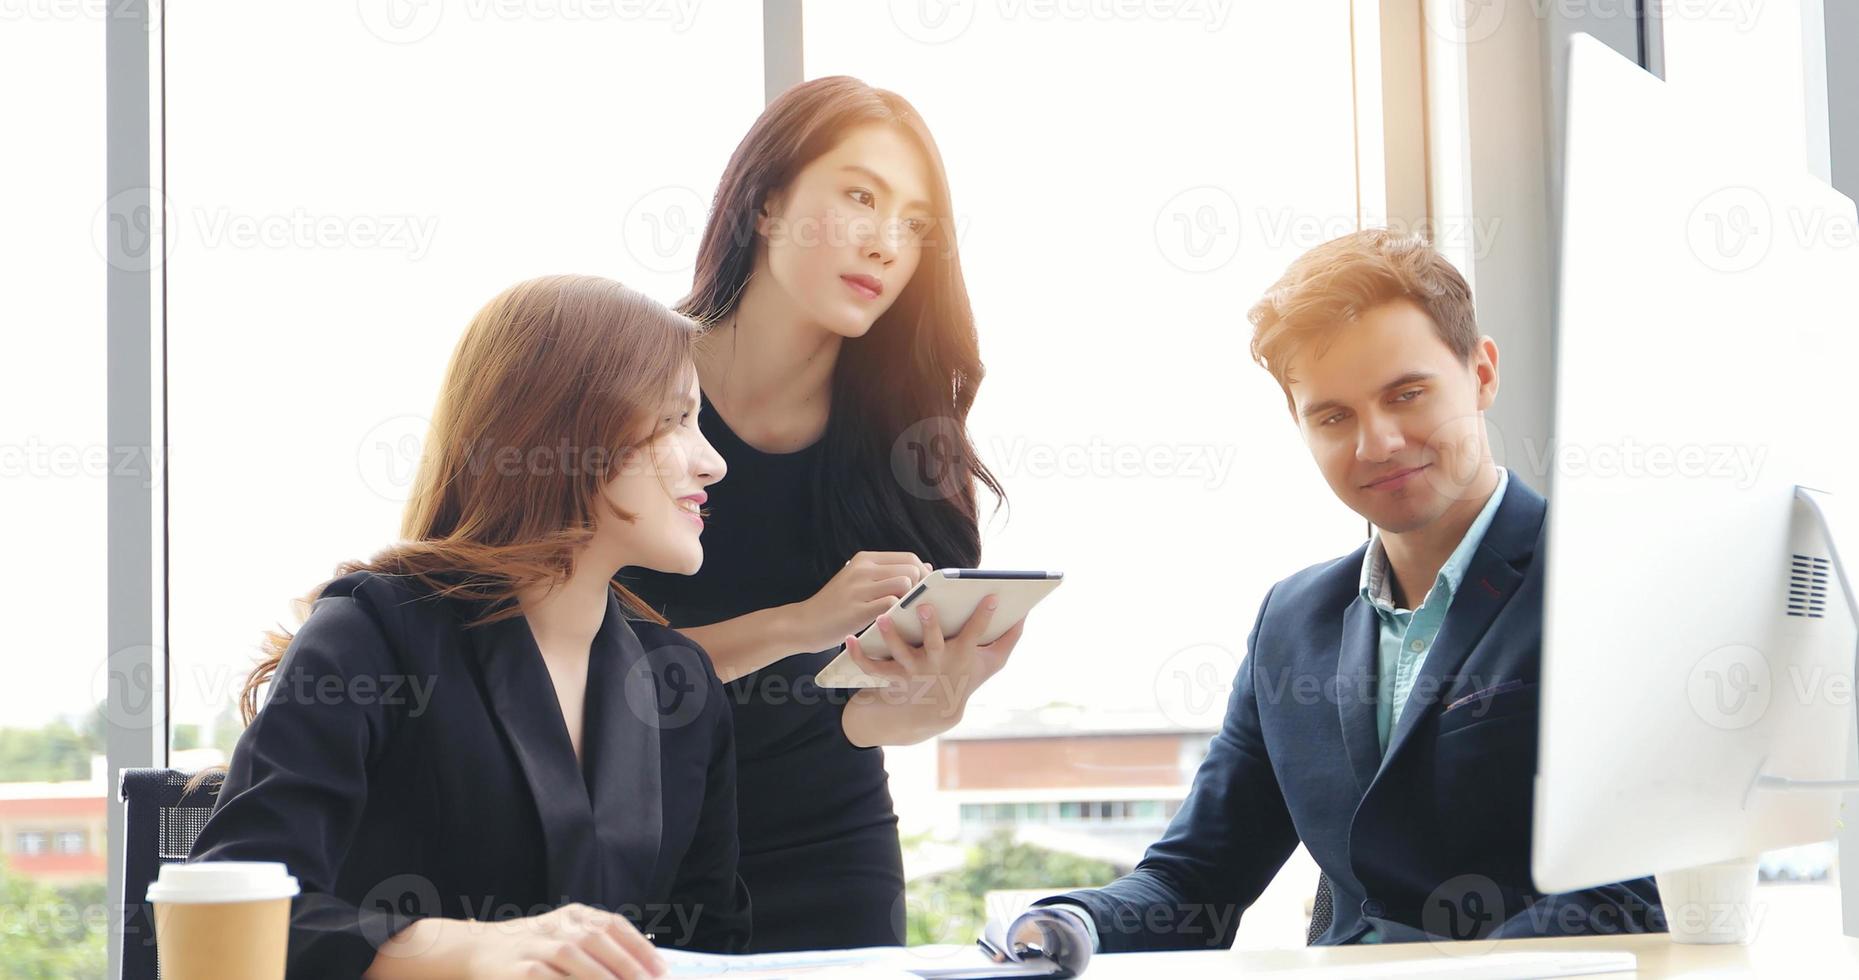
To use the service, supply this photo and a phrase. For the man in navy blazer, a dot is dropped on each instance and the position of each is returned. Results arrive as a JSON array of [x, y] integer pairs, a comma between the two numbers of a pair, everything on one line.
[[1386, 713]]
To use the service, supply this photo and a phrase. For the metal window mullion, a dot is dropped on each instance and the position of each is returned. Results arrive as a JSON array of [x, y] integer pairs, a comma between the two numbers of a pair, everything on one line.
[[133, 678], [1390, 113], [782, 54], [1841, 49]]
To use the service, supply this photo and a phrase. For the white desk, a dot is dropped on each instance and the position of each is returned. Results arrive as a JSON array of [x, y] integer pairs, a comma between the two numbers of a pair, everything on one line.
[[1779, 954]]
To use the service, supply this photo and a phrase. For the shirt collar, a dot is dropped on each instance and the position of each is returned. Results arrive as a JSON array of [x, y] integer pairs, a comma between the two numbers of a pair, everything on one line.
[[1377, 583]]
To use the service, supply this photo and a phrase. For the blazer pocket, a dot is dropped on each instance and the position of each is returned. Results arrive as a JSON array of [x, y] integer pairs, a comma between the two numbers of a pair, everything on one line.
[[1514, 697]]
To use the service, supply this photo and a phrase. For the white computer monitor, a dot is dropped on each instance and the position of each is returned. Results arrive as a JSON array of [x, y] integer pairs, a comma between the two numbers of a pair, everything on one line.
[[1698, 647]]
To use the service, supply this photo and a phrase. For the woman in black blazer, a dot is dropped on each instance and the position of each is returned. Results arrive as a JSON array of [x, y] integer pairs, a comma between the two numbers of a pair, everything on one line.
[[474, 756]]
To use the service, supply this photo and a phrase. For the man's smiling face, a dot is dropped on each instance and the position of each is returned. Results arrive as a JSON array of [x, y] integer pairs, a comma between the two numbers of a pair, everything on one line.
[[1393, 417]]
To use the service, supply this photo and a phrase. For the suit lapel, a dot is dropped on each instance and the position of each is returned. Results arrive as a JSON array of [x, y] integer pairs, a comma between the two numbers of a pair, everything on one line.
[[525, 706], [1357, 677], [1489, 583], [623, 753], [1493, 576]]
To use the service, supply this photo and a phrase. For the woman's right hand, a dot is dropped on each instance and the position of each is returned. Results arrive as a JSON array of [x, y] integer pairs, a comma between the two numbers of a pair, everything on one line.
[[857, 594], [572, 941]]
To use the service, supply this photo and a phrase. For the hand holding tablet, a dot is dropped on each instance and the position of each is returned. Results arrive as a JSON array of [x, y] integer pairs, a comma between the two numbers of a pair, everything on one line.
[[954, 595]]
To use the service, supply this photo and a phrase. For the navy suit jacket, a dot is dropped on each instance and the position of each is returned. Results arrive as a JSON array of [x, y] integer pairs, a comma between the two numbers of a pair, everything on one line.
[[1430, 840], [406, 766]]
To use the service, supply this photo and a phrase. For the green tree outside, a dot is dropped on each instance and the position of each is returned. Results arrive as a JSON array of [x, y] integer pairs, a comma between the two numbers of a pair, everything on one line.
[[56, 752], [227, 727], [52, 933], [950, 907]]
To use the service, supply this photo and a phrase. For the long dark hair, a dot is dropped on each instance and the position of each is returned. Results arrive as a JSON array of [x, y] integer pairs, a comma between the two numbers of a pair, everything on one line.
[[897, 470]]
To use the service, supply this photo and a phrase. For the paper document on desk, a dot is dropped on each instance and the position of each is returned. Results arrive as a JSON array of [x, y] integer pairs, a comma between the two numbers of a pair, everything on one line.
[[835, 964], [886, 962], [1063, 950], [1525, 965]]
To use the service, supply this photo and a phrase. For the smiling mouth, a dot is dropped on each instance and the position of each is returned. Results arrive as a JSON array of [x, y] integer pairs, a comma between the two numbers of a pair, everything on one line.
[[867, 286], [1394, 479]]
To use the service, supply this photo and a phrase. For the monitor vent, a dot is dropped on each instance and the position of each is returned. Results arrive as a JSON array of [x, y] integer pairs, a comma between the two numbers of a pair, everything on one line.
[[1807, 586]]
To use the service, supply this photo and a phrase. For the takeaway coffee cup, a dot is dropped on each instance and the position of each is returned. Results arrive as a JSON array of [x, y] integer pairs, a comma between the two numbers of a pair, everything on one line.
[[222, 920]]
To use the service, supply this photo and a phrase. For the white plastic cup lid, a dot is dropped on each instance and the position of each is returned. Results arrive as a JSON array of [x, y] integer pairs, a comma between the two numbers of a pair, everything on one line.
[[222, 881]]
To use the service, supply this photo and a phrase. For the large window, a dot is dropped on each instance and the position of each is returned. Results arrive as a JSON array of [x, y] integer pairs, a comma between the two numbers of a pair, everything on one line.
[[54, 464], [347, 190], [1128, 178], [333, 230]]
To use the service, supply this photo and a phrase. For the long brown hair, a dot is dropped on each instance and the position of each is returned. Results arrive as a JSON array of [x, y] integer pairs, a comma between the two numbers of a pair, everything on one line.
[[553, 384], [897, 470]]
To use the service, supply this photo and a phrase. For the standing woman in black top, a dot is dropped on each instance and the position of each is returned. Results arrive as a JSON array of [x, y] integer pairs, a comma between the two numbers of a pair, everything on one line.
[[837, 374]]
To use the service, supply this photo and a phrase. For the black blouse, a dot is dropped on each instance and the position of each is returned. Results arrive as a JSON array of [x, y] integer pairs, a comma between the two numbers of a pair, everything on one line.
[[820, 851], [405, 766]]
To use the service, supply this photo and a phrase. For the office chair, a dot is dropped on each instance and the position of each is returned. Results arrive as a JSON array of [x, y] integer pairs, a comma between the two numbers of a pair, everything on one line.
[[1322, 910], [161, 827]]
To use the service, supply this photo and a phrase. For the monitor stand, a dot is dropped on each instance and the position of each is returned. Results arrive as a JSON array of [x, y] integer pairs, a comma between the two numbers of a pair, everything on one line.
[[1712, 904], [1716, 903]]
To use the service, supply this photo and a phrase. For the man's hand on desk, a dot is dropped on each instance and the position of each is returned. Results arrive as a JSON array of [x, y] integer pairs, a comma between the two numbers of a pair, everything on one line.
[[1060, 933]]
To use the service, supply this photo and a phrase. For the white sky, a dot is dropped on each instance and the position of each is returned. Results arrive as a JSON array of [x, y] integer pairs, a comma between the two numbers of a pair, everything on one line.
[[342, 203]]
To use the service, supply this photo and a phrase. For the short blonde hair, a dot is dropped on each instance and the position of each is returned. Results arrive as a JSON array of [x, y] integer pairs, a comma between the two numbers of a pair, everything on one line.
[[1331, 285]]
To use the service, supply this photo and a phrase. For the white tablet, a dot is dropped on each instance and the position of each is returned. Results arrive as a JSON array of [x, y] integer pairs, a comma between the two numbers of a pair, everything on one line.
[[956, 593]]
